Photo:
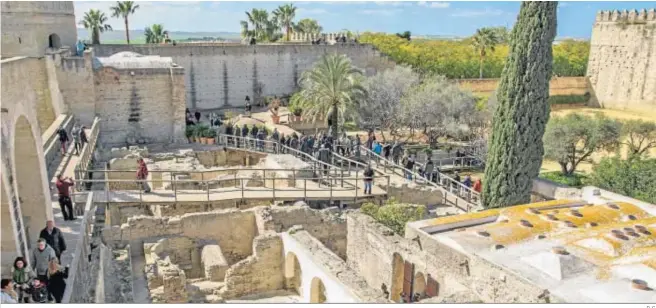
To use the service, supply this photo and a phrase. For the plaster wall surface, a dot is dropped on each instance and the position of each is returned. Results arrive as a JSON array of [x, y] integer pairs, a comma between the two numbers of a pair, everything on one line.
[[76, 83], [342, 285], [622, 62], [221, 76], [27, 25]]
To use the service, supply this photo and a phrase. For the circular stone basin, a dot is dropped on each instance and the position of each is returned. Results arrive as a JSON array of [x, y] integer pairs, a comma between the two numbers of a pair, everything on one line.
[[613, 206], [639, 284], [541, 237], [592, 224], [616, 231], [569, 224], [621, 236], [630, 217], [640, 227], [627, 229], [503, 221], [533, 211], [498, 247], [559, 250], [483, 233], [575, 213], [526, 223], [645, 232]]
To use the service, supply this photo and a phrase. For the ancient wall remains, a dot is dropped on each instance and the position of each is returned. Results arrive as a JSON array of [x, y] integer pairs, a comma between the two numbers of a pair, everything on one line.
[[557, 85], [75, 78], [221, 76], [622, 62], [233, 230], [30, 28]]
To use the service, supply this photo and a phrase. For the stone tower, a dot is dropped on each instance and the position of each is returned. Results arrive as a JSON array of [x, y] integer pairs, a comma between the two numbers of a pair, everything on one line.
[[31, 28], [622, 63]]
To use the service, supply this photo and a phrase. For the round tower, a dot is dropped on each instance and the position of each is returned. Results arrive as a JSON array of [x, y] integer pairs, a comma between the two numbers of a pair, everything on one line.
[[31, 28]]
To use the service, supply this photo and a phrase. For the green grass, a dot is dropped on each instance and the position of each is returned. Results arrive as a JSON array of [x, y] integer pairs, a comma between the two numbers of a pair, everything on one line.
[[576, 180]]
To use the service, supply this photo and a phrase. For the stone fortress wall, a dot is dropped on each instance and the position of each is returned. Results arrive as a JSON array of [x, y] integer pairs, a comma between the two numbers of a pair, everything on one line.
[[305, 37], [622, 64], [222, 75], [30, 28]]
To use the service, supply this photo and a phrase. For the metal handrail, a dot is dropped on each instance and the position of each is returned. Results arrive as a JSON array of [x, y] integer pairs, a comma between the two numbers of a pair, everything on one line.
[[87, 153], [468, 195], [345, 185], [449, 179]]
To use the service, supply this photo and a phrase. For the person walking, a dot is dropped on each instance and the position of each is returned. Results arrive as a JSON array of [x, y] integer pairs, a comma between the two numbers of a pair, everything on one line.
[[409, 164], [56, 280], [142, 175], [83, 136], [75, 132], [323, 155], [368, 179], [7, 294], [197, 116], [54, 238], [63, 138], [40, 257], [22, 277], [248, 106], [378, 149], [260, 140], [428, 169], [478, 186], [64, 193], [396, 152], [467, 181]]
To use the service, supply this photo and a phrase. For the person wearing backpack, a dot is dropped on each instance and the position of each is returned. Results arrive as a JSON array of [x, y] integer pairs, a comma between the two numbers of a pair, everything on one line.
[[368, 179]]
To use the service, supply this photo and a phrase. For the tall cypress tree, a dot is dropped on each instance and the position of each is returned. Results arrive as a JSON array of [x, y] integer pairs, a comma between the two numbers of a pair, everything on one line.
[[515, 151]]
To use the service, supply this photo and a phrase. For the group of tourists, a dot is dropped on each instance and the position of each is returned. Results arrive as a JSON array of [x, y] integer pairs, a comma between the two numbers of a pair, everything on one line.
[[78, 134], [43, 279], [192, 119]]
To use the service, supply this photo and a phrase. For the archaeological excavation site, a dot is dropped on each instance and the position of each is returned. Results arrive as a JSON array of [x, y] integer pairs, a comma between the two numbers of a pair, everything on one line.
[[181, 191]]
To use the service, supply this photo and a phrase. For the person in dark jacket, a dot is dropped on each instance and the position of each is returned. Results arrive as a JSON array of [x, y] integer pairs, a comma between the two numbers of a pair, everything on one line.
[[63, 138], [197, 116], [54, 238], [56, 280], [368, 180], [83, 136], [244, 133]]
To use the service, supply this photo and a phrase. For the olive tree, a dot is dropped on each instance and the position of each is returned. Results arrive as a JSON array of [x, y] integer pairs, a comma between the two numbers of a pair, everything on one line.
[[572, 139], [639, 136], [383, 108]]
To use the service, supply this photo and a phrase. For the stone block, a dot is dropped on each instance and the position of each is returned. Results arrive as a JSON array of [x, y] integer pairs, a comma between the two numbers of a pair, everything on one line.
[[213, 263]]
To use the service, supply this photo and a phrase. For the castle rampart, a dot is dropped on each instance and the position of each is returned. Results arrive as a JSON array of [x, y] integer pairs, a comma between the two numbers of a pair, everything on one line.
[[222, 75], [622, 63]]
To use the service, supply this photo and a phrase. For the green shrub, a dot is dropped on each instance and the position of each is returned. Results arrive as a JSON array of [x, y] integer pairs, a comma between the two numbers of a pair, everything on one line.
[[575, 180], [394, 215], [634, 177], [189, 131]]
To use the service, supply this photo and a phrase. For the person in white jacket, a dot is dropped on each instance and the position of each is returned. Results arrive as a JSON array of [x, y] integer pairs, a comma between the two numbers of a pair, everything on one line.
[[7, 295]]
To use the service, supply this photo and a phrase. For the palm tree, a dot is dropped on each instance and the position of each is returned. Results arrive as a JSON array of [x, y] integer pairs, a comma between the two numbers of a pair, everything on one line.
[[155, 34], [332, 89], [259, 26], [123, 9], [95, 22], [285, 14], [308, 26], [484, 39]]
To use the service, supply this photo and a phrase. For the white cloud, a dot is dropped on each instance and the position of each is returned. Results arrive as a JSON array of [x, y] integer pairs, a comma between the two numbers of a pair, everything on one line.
[[478, 13], [302, 11], [379, 12], [393, 3], [186, 16], [434, 5]]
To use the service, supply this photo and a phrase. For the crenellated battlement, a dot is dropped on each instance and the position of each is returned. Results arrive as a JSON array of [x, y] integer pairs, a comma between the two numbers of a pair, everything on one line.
[[631, 16], [304, 37]]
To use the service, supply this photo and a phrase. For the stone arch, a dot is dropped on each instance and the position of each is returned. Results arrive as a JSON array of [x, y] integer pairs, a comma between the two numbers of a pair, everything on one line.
[[397, 277], [29, 181], [293, 273], [54, 41], [419, 284], [317, 291], [8, 244]]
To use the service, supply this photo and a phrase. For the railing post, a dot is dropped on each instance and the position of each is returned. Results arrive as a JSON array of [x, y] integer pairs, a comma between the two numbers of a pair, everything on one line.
[[274, 187], [342, 176], [356, 184], [305, 188], [175, 189], [241, 182]]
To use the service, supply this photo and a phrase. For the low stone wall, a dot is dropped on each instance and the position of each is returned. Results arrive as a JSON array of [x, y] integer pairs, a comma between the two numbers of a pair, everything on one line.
[[415, 194], [557, 85], [233, 229], [228, 157], [327, 227], [258, 273]]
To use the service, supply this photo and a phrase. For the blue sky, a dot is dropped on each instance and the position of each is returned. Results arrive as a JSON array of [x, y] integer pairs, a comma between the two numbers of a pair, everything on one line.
[[457, 18]]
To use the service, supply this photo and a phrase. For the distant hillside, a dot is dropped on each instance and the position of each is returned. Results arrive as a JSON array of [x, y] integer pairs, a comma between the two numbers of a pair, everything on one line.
[[137, 36]]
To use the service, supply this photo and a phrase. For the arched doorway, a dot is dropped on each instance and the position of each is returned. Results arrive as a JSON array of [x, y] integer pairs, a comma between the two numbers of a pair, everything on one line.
[[53, 41], [29, 181], [419, 285], [397, 277], [317, 291], [293, 273]]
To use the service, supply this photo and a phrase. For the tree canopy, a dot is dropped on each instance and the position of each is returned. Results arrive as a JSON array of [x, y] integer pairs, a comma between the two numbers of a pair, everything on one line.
[[95, 22]]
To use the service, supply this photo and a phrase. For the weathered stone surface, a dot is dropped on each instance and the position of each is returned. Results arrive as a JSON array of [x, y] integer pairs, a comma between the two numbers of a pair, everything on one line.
[[213, 262]]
